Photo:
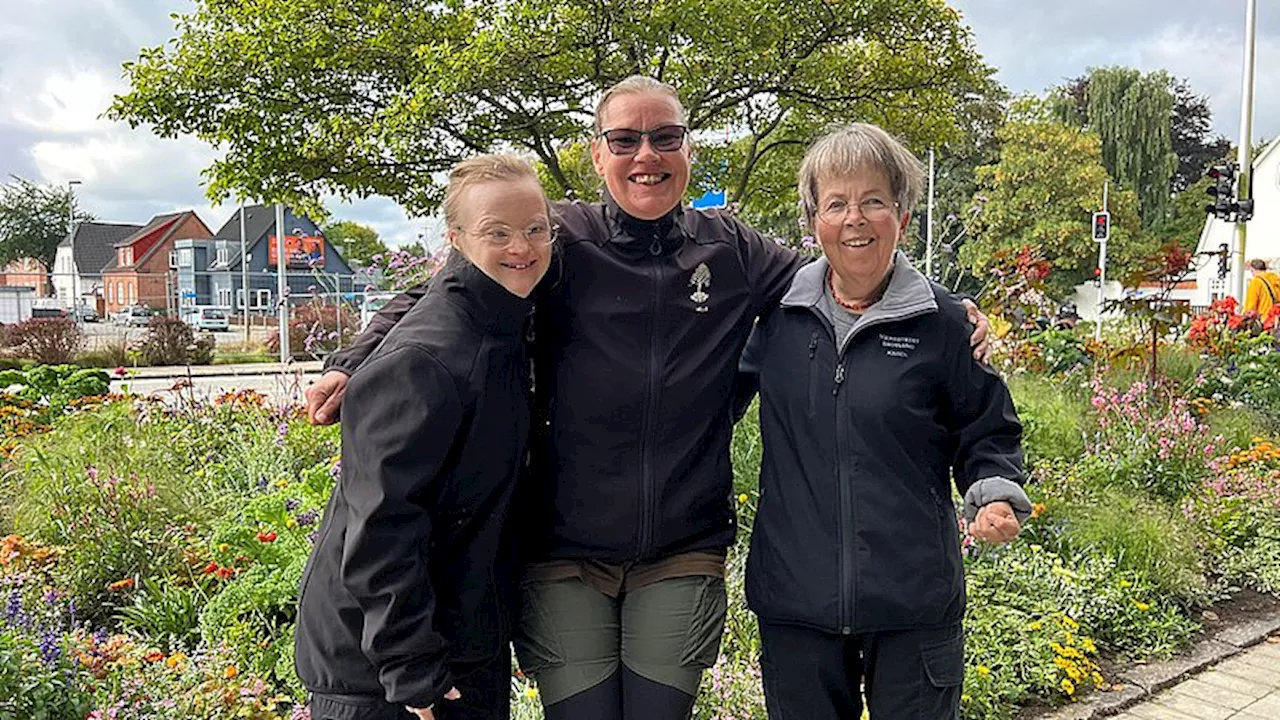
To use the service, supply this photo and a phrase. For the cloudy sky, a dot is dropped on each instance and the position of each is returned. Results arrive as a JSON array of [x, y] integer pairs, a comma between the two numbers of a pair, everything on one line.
[[60, 65]]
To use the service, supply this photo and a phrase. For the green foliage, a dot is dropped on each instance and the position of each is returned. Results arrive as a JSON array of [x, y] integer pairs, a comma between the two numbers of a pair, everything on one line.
[[1053, 419], [1251, 377], [1040, 194], [55, 385], [39, 683], [380, 97], [107, 355], [166, 611], [33, 220], [359, 243]]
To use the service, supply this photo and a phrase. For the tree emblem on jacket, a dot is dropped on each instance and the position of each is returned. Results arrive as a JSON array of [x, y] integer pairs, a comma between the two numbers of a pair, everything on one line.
[[701, 280]]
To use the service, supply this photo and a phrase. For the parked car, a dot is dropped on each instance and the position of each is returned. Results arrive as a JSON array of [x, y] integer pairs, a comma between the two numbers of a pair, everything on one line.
[[84, 313], [371, 304], [205, 317], [134, 316]]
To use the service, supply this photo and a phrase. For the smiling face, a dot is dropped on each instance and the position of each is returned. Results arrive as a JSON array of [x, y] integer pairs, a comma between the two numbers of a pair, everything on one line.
[[504, 208], [860, 249], [648, 184]]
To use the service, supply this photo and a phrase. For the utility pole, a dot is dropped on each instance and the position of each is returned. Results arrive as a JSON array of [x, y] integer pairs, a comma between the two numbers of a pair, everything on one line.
[[928, 225], [1246, 140], [244, 277], [71, 233], [1102, 233], [282, 289]]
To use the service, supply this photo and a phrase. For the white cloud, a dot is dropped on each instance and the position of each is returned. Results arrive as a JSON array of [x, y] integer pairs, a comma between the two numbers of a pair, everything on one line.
[[66, 103]]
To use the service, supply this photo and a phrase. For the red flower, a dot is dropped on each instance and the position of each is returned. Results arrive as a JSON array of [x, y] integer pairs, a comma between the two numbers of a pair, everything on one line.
[[121, 584], [266, 537], [211, 568], [1234, 322], [226, 573]]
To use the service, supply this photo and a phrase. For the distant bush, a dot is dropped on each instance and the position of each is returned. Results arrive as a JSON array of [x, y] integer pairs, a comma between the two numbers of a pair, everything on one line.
[[317, 330], [170, 341], [48, 341]]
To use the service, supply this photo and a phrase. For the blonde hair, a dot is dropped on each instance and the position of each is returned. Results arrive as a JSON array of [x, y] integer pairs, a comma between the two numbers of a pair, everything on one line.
[[636, 85], [854, 148], [482, 168]]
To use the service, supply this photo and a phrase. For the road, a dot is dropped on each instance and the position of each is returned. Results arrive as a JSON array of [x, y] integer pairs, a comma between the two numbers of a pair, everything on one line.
[[277, 385]]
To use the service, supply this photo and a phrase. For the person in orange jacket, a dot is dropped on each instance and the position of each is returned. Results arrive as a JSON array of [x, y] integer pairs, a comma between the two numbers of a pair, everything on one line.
[[1263, 290]]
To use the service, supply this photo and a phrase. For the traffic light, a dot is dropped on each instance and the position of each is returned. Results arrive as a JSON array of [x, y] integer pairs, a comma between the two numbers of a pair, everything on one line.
[[1225, 205], [1101, 226]]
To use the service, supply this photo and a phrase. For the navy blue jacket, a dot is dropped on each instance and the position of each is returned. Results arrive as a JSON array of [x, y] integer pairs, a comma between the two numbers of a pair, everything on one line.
[[856, 530]]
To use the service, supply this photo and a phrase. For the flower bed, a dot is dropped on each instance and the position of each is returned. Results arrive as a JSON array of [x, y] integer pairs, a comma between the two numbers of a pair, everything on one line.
[[151, 554]]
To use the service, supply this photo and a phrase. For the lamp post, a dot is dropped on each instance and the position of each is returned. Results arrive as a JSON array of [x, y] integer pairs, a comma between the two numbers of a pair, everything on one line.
[[71, 234], [282, 286]]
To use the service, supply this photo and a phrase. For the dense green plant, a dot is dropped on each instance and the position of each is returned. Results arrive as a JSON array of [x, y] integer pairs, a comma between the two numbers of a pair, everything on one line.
[[1053, 417], [38, 680], [107, 355]]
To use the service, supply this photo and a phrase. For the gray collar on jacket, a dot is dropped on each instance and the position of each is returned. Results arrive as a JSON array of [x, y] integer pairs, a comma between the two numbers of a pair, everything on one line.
[[909, 292]]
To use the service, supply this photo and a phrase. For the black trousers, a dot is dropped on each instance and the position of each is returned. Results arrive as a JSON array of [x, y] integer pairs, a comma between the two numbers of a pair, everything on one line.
[[486, 695], [908, 675]]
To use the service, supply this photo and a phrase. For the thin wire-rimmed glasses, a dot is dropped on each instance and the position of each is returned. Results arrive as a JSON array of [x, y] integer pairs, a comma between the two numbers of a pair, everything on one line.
[[873, 209], [499, 237], [624, 141]]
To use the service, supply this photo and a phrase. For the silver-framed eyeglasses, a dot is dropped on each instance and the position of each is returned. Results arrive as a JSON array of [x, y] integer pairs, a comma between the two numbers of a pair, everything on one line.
[[624, 141], [836, 211], [500, 237]]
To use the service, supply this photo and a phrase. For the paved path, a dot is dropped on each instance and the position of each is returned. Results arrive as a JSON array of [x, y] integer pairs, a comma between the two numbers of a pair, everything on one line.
[[1244, 687]]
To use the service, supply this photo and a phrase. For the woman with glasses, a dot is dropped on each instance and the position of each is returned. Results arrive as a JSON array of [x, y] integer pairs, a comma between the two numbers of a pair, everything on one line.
[[868, 405], [625, 531], [406, 599]]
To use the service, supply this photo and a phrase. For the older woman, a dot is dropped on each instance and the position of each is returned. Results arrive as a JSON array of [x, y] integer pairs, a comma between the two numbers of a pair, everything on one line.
[[405, 601], [623, 599], [868, 403]]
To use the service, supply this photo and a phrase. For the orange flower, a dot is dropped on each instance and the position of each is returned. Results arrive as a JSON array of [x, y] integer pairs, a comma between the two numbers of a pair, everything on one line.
[[1037, 509], [121, 584], [230, 672], [226, 572], [266, 537], [153, 656]]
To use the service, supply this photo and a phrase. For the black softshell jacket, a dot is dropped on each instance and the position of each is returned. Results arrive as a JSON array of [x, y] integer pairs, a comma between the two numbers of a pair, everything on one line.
[[411, 572], [856, 531], [638, 350]]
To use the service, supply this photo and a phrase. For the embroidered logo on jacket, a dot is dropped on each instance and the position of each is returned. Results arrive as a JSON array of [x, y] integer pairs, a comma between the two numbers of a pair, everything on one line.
[[898, 345], [701, 280]]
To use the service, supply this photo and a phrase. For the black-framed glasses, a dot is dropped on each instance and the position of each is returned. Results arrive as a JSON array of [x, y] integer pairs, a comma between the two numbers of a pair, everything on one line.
[[624, 141]]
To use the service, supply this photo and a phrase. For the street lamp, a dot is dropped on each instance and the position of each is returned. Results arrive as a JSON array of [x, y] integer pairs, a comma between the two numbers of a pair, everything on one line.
[[71, 234]]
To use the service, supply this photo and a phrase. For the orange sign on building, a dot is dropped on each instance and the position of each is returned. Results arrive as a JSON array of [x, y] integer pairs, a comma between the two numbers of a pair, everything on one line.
[[300, 251]]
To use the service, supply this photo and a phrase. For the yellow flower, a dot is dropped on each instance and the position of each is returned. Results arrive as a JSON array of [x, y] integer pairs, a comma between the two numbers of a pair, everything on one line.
[[223, 547], [1088, 645], [230, 672], [531, 692], [1068, 622], [743, 498], [1067, 686], [1036, 625], [1141, 605], [176, 660], [984, 671]]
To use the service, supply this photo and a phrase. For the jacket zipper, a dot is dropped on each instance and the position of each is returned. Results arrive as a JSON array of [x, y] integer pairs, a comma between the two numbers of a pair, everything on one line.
[[845, 497], [651, 402]]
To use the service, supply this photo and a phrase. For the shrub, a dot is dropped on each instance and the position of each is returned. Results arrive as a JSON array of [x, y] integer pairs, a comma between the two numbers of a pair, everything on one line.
[[50, 341], [171, 341]]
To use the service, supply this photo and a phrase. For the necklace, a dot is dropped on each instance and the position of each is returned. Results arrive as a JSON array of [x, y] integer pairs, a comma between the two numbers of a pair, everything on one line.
[[856, 307]]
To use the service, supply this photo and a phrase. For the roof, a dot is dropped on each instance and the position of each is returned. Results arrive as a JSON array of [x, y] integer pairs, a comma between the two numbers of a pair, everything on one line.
[[172, 220], [258, 219], [95, 244]]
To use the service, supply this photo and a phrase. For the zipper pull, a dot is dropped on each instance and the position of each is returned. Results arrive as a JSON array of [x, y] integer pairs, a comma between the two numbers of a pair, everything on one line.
[[839, 378], [655, 248], [813, 345]]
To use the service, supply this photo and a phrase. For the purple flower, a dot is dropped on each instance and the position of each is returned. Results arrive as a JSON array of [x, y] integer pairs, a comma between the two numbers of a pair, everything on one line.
[[13, 609], [313, 536], [306, 519], [50, 650], [291, 504]]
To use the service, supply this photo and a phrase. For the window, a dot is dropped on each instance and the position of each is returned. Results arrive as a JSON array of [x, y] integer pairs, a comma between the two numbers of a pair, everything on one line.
[[184, 257], [133, 296], [223, 254], [173, 260], [240, 297], [224, 296], [262, 298]]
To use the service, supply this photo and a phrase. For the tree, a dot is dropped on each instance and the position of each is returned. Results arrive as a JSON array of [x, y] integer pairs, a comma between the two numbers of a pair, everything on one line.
[[33, 220], [309, 97], [1189, 132], [359, 242], [1041, 193]]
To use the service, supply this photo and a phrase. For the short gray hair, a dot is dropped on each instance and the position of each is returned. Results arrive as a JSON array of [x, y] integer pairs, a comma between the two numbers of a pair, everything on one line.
[[858, 147], [636, 85]]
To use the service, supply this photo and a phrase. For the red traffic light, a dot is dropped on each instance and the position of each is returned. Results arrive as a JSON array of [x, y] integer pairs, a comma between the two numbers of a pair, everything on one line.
[[1097, 272]]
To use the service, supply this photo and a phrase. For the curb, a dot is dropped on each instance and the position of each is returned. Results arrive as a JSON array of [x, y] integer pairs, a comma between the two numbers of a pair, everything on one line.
[[1142, 681], [182, 371]]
